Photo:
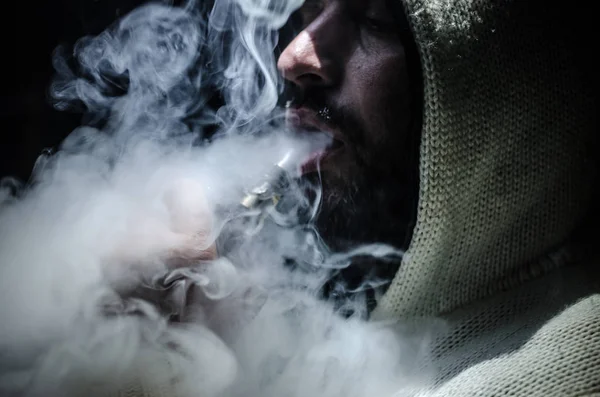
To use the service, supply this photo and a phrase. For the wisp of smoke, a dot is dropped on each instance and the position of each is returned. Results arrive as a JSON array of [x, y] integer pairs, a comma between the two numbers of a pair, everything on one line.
[[92, 302]]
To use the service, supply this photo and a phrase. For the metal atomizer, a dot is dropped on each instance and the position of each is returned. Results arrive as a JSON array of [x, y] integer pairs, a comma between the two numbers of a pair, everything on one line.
[[269, 191]]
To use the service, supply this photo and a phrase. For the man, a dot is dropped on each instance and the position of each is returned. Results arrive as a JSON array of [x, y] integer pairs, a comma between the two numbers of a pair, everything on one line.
[[465, 133], [354, 72], [506, 175], [360, 81]]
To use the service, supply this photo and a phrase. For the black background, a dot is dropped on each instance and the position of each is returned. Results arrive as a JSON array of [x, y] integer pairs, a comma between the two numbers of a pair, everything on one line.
[[31, 31]]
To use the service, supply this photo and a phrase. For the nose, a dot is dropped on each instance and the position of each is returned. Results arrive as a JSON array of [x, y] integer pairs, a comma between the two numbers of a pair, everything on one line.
[[310, 59]]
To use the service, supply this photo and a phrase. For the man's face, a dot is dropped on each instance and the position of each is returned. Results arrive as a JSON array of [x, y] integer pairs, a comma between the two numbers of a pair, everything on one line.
[[349, 71]]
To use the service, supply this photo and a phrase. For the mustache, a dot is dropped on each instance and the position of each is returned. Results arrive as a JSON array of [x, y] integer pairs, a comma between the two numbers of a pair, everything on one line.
[[324, 111], [317, 101], [334, 116]]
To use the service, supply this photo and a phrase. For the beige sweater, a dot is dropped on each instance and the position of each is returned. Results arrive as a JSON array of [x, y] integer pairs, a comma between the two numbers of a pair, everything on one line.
[[506, 177]]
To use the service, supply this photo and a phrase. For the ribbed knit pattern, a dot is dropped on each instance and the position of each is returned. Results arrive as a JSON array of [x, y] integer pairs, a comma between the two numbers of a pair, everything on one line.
[[505, 155], [506, 177]]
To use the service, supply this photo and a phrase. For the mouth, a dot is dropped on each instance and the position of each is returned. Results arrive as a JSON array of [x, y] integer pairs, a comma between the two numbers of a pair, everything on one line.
[[306, 121]]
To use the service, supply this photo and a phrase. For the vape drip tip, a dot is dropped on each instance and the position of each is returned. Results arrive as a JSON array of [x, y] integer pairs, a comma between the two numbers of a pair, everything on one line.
[[269, 191]]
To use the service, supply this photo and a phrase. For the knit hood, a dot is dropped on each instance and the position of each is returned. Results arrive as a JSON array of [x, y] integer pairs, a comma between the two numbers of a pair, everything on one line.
[[506, 169]]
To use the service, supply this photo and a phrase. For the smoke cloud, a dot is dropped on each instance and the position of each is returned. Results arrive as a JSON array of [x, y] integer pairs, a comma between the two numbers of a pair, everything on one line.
[[92, 301]]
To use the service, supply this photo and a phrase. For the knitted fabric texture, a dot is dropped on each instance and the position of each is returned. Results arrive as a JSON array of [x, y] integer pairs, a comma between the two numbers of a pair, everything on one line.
[[506, 178], [505, 153]]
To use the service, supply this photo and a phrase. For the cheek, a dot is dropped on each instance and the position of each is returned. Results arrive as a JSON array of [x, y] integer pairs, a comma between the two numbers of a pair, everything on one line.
[[382, 96]]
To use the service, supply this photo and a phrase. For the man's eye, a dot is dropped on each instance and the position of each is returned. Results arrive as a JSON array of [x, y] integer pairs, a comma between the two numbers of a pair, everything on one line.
[[379, 25]]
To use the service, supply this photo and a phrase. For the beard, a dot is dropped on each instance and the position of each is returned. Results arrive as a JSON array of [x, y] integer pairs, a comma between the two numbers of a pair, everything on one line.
[[364, 211], [368, 209], [368, 206], [371, 197]]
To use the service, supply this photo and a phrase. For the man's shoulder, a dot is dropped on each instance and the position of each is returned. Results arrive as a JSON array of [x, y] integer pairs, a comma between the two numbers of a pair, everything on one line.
[[560, 358]]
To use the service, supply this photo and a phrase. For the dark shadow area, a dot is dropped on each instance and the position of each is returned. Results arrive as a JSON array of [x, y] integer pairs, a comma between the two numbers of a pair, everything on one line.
[[31, 32]]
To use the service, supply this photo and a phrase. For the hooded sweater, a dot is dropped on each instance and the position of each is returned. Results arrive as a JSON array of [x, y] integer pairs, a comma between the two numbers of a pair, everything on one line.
[[502, 248]]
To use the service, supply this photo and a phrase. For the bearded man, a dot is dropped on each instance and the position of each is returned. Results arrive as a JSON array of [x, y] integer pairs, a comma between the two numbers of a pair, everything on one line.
[[475, 120], [463, 133]]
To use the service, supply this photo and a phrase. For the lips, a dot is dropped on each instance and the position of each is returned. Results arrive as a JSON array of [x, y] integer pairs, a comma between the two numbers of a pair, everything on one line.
[[306, 121]]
